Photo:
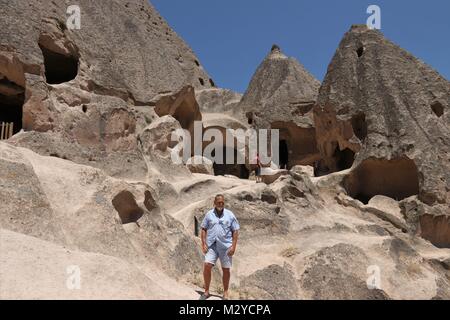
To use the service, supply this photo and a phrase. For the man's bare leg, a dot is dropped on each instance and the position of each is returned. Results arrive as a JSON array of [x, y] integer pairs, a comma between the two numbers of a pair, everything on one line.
[[226, 281], [207, 277]]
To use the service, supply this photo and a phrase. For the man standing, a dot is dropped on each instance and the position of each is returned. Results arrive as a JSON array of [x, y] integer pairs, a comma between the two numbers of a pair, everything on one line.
[[219, 239]]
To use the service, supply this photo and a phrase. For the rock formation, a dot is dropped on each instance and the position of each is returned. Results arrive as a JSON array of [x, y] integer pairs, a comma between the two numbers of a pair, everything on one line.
[[88, 183], [281, 96], [90, 86], [385, 113], [217, 100]]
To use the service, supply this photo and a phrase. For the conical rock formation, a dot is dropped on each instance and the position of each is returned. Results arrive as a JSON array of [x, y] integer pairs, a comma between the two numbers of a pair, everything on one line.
[[390, 111], [280, 90]]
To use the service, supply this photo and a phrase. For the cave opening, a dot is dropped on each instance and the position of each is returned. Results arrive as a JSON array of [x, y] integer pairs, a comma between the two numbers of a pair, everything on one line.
[[438, 109], [249, 116], [12, 99], [234, 168], [59, 68], [184, 115], [397, 179], [196, 227], [359, 126], [127, 208], [344, 159], [284, 154], [296, 145], [360, 52]]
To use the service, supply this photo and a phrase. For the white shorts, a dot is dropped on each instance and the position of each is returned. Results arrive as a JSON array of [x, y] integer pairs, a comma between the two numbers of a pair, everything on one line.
[[218, 252]]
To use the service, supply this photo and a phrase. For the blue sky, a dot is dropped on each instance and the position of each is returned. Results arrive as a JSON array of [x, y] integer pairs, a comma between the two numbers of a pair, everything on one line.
[[231, 37]]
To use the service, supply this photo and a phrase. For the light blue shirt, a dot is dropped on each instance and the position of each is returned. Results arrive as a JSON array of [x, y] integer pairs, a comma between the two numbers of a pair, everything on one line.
[[220, 230]]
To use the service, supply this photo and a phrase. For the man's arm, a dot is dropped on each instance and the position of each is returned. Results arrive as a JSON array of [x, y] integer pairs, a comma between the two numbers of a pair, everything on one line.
[[233, 246], [203, 236]]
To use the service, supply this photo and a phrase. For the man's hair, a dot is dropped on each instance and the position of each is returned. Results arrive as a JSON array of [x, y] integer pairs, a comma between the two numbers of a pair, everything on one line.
[[219, 196]]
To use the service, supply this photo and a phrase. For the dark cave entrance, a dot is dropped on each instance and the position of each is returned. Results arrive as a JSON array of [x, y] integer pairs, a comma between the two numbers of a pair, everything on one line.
[[185, 116], [196, 227], [360, 52], [12, 98], [249, 116], [359, 126], [59, 68], [344, 159], [234, 169], [284, 154], [438, 109], [127, 208], [397, 179]]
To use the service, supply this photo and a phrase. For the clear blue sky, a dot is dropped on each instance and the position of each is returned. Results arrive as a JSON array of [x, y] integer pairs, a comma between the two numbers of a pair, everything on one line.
[[231, 37]]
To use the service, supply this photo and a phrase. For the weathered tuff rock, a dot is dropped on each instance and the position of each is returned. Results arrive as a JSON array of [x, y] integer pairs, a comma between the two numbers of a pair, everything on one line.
[[98, 222], [42, 273], [389, 112], [217, 100], [280, 90], [273, 283], [158, 147], [95, 87], [429, 222], [341, 266], [182, 106], [281, 96], [25, 205], [85, 210], [123, 40], [102, 132], [198, 164], [326, 246]]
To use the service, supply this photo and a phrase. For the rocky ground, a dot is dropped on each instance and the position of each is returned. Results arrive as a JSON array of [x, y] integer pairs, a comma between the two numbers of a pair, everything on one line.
[[300, 238]]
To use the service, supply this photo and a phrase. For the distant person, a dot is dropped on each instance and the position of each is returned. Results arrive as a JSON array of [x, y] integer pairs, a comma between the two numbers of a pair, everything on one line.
[[219, 240], [258, 169]]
